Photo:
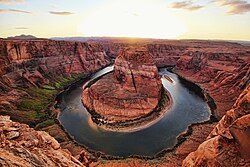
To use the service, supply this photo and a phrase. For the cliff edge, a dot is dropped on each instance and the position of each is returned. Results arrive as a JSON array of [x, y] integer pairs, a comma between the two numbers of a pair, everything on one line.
[[228, 144], [23, 146]]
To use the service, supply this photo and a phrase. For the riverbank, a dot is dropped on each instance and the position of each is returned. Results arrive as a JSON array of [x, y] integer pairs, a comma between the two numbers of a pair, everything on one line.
[[98, 121]]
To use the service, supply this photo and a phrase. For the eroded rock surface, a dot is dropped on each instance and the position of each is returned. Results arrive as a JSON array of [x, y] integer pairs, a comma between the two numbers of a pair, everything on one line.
[[23, 146], [26, 64], [228, 144], [223, 72], [131, 91], [29, 63]]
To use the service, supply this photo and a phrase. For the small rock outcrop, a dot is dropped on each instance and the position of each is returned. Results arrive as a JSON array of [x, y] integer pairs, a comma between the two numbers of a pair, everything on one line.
[[130, 92], [23, 146]]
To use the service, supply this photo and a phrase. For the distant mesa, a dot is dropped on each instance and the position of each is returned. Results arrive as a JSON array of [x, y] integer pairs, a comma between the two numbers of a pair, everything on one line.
[[132, 91], [23, 37]]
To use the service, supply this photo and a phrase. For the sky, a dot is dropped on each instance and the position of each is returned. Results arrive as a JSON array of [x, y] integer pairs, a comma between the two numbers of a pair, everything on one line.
[[166, 19]]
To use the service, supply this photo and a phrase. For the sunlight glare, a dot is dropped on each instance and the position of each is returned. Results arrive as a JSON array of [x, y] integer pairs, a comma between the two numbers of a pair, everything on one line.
[[141, 18]]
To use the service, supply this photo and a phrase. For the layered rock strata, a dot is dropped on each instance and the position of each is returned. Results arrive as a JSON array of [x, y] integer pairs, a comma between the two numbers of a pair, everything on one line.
[[222, 72], [28, 64], [23, 146], [130, 92], [228, 144]]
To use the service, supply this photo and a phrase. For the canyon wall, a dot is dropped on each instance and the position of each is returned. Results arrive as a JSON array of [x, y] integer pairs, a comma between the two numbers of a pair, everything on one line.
[[31, 74], [165, 54], [222, 72], [43, 66], [228, 144], [30, 63]]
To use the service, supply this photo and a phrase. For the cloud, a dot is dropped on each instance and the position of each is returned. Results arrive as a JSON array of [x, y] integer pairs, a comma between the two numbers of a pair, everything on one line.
[[61, 13], [19, 11], [21, 28], [12, 1], [187, 5], [14, 11], [235, 6]]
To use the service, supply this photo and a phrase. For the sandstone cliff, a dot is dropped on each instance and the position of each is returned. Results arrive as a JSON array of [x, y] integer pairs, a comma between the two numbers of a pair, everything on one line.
[[222, 72], [30, 63], [165, 54], [228, 144], [45, 66], [23, 146]]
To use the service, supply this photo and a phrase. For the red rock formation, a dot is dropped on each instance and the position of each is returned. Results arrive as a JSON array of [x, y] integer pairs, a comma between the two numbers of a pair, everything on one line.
[[130, 92], [23, 146], [31, 63], [165, 54], [221, 73], [228, 144]]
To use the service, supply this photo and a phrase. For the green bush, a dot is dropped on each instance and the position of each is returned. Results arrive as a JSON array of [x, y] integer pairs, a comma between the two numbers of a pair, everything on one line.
[[36, 103], [44, 124]]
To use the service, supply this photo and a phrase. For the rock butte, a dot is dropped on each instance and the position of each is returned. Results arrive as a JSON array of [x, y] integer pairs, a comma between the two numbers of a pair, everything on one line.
[[130, 92]]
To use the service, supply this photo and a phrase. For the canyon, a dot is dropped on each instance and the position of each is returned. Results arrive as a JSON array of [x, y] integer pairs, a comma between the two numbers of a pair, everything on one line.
[[34, 71]]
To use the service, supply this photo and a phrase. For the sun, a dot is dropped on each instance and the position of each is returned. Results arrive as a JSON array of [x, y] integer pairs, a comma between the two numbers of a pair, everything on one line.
[[141, 18]]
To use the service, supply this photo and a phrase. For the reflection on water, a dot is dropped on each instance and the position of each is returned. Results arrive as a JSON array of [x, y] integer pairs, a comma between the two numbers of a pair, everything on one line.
[[187, 108]]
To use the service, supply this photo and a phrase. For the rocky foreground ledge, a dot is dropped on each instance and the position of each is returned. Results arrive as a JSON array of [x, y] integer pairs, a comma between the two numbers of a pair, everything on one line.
[[23, 146], [130, 93]]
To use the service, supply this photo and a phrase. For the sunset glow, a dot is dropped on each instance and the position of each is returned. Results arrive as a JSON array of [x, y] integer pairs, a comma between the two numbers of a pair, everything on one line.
[[131, 19], [165, 19]]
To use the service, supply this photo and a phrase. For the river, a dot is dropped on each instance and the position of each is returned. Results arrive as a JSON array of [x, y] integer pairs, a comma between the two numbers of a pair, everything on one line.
[[187, 108]]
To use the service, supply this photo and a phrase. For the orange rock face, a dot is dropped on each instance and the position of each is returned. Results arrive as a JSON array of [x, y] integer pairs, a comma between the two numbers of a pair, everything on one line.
[[32, 63], [23, 146], [166, 54], [222, 72], [228, 144], [130, 92]]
